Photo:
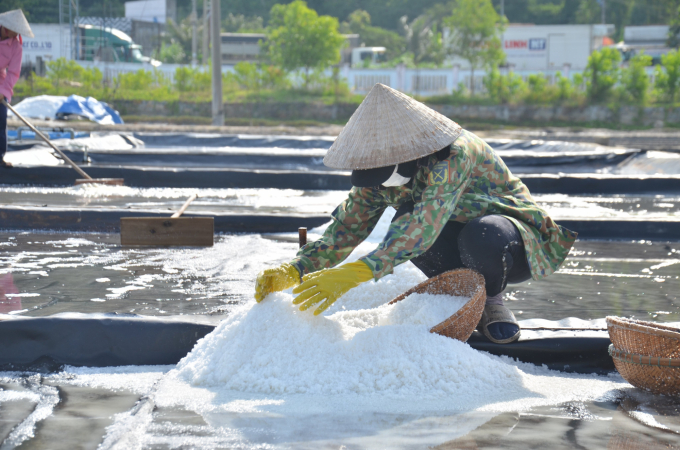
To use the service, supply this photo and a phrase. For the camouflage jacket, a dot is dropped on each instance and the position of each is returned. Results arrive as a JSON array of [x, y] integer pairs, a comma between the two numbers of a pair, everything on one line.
[[472, 182]]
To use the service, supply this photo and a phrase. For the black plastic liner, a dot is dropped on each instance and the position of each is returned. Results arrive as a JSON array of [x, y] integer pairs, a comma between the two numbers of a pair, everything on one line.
[[205, 160], [317, 180], [49, 343], [109, 220], [172, 158], [218, 140], [325, 142], [566, 354]]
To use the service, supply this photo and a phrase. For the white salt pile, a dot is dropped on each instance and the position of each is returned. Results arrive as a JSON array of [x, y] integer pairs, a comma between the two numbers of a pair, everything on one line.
[[273, 348], [424, 309]]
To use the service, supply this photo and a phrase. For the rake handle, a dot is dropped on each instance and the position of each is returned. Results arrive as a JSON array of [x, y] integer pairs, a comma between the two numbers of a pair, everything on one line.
[[302, 236], [44, 138], [184, 207]]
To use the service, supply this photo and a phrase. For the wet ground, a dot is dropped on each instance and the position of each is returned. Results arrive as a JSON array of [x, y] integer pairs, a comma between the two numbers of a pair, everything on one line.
[[122, 408], [289, 201], [50, 273]]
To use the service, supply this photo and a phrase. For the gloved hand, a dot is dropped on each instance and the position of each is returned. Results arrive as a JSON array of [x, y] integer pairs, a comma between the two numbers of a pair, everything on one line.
[[330, 284], [273, 280]]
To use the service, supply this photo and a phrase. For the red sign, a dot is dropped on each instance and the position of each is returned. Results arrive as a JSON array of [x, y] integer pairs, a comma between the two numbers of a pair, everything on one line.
[[516, 44]]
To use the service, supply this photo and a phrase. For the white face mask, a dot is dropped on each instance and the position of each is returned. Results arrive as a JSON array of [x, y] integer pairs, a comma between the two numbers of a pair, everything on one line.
[[396, 179]]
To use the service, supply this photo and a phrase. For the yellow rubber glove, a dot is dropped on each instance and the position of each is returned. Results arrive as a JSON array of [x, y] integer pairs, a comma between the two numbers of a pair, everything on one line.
[[330, 284], [273, 280]]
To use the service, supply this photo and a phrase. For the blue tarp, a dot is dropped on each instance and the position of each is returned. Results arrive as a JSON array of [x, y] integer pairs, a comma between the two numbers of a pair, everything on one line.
[[13, 134], [89, 108]]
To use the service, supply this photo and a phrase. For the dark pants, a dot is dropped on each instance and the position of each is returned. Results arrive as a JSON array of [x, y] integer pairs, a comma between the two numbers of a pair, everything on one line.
[[3, 130], [491, 245]]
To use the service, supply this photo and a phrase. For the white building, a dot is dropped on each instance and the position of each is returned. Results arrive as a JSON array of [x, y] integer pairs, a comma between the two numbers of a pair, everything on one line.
[[158, 11]]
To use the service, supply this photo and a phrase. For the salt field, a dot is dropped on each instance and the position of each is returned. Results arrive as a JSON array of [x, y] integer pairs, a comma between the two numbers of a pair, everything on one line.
[[198, 281], [362, 375]]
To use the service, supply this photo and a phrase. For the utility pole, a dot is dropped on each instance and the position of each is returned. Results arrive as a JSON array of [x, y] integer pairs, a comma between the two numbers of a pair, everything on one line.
[[194, 24], [502, 8], [217, 106], [603, 11], [206, 31]]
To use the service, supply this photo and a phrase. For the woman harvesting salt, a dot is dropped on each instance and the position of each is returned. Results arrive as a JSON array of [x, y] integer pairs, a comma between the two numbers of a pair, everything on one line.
[[458, 205], [13, 25]]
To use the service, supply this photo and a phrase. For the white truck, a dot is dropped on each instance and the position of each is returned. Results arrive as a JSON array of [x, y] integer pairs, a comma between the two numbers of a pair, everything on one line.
[[94, 43], [365, 56], [550, 47], [51, 41]]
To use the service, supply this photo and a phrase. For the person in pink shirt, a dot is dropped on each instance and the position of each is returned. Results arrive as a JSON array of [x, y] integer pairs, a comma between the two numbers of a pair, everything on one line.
[[13, 25]]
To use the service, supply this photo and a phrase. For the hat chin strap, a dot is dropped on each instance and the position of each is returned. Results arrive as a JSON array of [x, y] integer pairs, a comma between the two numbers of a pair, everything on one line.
[[396, 179]]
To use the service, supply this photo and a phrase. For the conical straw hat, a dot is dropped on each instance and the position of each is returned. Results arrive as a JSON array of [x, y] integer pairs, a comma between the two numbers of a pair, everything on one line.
[[16, 21], [390, 128]]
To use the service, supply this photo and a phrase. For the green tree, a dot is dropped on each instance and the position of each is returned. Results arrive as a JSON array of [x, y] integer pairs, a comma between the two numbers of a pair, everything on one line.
[[176, 45], [602, 72], [423, 40], [674, 30], [298, 38], [172, 54], [475, 34], [618, 12], [634, 78], [359, 22], [668, 75], [238, 23]]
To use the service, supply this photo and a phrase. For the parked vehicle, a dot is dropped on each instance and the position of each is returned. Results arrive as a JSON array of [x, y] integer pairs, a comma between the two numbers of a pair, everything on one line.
[[549, 47], [91, 43], [51, 42], [365, 56], [107, 44], [650, 39]]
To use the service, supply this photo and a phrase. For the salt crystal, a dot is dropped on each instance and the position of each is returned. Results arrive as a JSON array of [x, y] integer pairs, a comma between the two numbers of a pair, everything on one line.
[[273, 348]]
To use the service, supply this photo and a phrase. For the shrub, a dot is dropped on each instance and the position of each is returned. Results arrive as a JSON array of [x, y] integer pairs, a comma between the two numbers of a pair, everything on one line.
[[192, 79], [141, 80], [63, 69], [259, 76], [634, 78], [566, 89], [539, 91], [668, 75], [63, 73], [602, 73], [503, 88], [144, 85], [92, 78], [32, 85]]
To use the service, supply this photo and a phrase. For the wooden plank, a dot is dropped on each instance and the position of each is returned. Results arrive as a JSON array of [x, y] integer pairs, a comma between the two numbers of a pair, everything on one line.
[[167, 232], [109, 181]]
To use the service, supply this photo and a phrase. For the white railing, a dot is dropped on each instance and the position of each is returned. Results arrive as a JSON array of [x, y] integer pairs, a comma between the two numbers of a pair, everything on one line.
[[111, 70], [422, 82]]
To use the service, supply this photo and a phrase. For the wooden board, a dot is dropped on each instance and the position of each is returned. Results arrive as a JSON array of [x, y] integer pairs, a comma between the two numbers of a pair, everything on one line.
[[109, 181], [167, 232]]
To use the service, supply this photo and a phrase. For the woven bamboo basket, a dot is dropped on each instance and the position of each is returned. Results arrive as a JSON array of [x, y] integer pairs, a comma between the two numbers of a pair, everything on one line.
[[460, 283], [646, 354]]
